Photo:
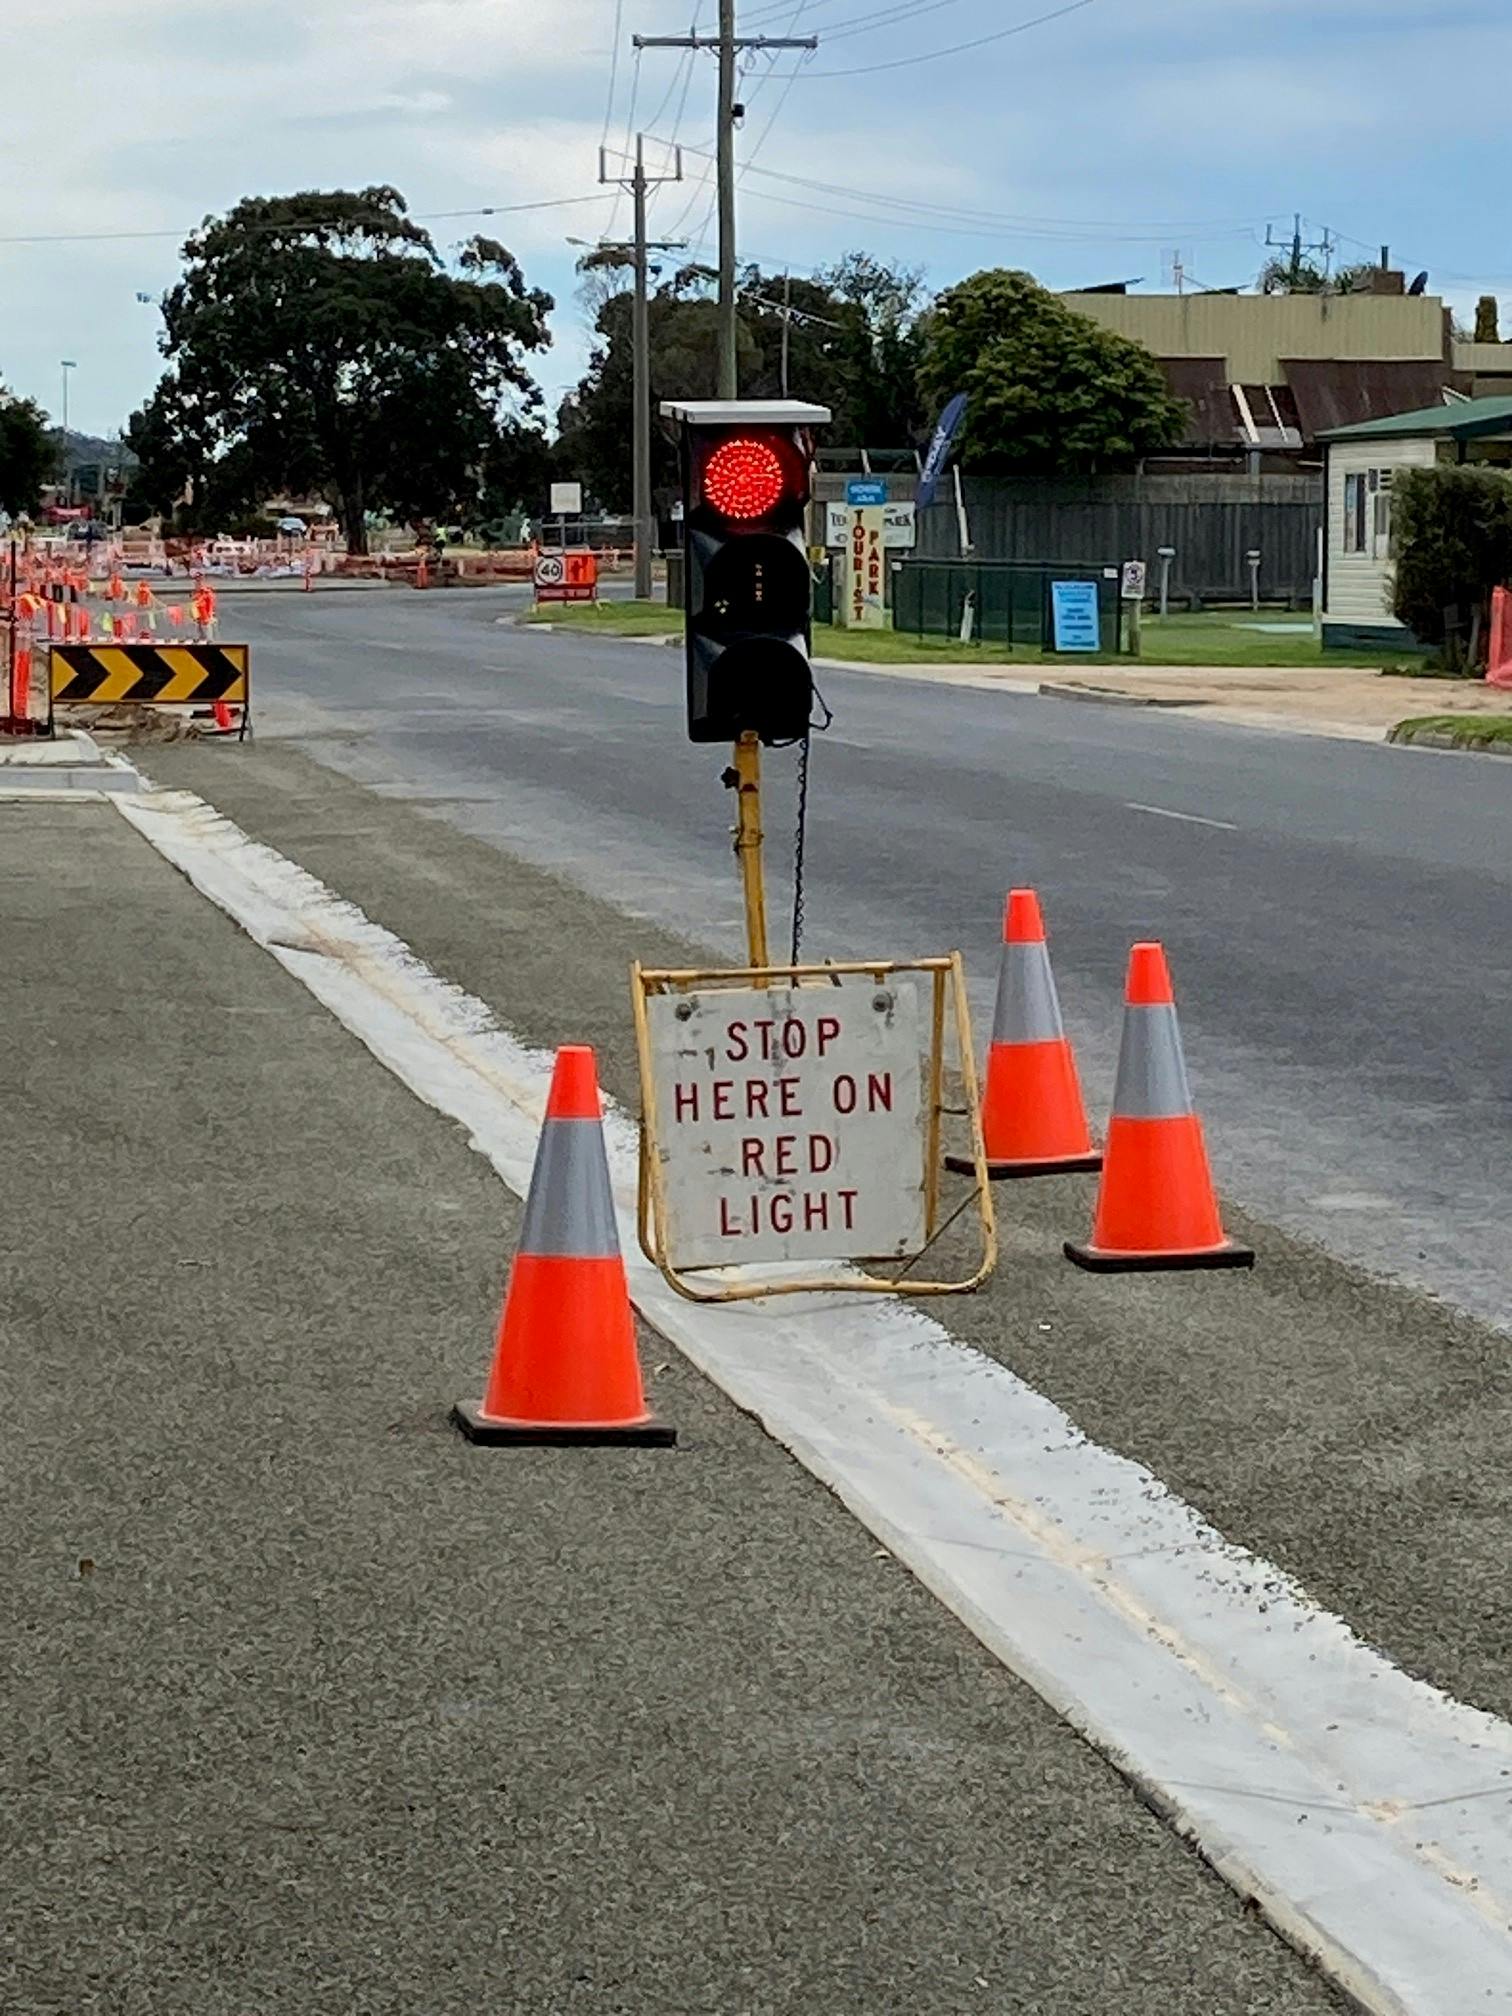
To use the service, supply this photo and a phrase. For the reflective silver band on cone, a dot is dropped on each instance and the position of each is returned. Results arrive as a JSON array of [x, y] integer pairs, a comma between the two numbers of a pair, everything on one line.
[[569, 1214]]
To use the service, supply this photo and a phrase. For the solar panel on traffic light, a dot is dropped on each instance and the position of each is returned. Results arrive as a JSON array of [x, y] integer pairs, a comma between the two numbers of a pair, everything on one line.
[[748, 588]]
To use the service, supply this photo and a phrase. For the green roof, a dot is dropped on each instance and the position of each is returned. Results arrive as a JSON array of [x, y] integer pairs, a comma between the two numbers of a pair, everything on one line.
[[1458, 420]]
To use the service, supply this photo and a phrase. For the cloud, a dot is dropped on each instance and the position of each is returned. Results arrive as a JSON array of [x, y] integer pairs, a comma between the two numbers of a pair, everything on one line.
[[1139, 124]]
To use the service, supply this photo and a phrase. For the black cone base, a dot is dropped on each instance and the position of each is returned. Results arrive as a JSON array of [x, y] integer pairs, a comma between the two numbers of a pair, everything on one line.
[[1002, 1172], [1231, 1254], [478, 1427]]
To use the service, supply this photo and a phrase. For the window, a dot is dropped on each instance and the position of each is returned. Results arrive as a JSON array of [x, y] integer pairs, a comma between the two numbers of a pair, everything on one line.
[[1356, 496], [1383, 511]]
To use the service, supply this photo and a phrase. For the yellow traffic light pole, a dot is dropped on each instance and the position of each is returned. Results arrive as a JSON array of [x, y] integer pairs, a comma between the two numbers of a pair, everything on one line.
[[748, 837]]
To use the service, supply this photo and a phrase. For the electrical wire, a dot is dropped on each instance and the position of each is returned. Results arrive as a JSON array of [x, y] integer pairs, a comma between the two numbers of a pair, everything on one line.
[[886, 215], [701, 238], [188, 231], [861, 24], [619, 187], [958, 48], [999, 217], [614, 49]]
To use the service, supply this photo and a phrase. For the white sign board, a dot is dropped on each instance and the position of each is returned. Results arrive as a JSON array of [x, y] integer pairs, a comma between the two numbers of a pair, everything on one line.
[[1134, 573], [550, 569], [566, 498], [789, 1122], [899, 525]]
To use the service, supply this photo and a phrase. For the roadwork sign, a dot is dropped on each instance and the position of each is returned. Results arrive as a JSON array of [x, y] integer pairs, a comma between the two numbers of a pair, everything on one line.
[[566, 577], [795, 1114], [790, 1122], [159, 674]]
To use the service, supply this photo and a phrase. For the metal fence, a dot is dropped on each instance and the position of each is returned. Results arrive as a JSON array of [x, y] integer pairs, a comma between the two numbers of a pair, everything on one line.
[[1011, 600], [1212, 521]]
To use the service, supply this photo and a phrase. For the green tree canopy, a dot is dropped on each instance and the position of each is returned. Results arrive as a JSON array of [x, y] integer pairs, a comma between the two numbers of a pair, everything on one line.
[[28, 453], [1051, 392], [319, 343], [852, 345], [1295, 273]]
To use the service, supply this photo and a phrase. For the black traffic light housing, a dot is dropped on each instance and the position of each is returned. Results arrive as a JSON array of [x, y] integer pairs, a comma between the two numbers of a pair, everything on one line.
[[747, 585]]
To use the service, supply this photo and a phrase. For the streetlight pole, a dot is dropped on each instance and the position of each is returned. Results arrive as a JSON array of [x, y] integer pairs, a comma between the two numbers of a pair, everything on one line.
[[641, 436], [67, 364]]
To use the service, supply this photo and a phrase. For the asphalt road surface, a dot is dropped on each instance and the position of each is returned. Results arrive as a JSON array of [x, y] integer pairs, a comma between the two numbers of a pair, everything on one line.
[[1336, 913], [311, 1706]]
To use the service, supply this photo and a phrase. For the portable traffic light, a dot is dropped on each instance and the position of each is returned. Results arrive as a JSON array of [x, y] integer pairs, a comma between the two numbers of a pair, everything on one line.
[[748, 588]]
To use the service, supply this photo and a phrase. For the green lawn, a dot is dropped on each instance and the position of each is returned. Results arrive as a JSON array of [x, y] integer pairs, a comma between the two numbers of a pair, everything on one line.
[[1208, 639], [1470, 731]]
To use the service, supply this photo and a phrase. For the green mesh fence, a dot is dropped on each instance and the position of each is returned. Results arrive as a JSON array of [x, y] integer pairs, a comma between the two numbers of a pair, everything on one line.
[[1012, 600]]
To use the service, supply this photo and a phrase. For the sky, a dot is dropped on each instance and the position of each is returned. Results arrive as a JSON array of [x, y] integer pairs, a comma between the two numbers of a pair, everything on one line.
[[1093, 146]]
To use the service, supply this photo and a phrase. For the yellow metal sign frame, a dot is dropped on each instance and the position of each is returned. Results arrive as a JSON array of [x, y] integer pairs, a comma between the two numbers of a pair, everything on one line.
[[949, 1005]]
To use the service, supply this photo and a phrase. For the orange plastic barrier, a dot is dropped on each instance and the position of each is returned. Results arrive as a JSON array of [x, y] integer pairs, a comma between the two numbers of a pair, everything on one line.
[[1499, 653]]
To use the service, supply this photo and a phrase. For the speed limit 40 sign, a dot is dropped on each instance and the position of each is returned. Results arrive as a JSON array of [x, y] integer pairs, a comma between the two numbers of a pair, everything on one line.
[[566, 577]]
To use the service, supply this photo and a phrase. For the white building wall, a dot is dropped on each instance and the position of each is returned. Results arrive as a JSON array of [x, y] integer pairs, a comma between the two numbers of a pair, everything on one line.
[[1359, 584]]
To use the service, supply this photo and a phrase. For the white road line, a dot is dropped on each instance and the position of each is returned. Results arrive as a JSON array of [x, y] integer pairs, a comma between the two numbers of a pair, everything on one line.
[[1187, 818], [1368, 1814]]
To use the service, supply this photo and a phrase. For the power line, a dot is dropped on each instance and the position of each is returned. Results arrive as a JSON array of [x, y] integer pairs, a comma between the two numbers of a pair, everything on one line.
[[614, 49], [957, 48], [1003, 229], [993, 216], [859, 24], [286, 225], [635, 78], [701, 182], [686, 63]]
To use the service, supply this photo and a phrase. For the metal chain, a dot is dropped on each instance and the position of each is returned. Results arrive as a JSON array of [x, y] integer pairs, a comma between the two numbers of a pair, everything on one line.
[[826, 715], [798, 846]]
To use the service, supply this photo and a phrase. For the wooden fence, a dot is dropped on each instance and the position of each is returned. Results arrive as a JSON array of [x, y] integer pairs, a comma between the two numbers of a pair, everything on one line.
[[1213, 522]]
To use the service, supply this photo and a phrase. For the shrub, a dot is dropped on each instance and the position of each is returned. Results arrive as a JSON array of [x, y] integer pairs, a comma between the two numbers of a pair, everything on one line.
[[1453, 536]]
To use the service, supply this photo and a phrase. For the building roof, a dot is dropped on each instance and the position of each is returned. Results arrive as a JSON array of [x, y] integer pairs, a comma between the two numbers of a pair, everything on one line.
[[1332, 394], [1203, 383], [1460, 420]]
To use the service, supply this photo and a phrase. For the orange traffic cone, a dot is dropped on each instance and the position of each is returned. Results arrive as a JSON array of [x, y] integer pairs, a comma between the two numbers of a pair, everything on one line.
[[565, 1367], [1033, 1120], [1155, 1206], [221, 711]]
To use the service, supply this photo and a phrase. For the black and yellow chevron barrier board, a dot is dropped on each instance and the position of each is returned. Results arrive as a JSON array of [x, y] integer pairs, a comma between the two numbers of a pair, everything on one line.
[[150, 673]]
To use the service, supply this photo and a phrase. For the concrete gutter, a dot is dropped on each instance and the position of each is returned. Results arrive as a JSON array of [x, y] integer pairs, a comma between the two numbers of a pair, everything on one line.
[[65, 765]]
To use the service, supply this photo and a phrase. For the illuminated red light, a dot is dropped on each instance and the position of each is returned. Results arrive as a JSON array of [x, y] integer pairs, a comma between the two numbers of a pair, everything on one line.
[[744, 478]]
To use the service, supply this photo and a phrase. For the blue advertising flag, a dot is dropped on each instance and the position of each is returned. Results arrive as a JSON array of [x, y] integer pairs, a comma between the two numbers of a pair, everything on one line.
[[939, 450]]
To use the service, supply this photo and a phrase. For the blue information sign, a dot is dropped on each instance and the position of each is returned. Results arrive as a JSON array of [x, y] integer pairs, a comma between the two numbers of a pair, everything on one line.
[[866, 490], [1078, 626]]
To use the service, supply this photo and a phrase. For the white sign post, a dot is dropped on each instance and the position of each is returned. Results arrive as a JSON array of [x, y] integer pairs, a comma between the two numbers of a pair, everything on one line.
[[790, 1123], [566, 499]]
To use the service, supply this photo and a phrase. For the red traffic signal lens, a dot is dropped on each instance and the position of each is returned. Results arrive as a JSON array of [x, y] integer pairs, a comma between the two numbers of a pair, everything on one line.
[[744, 478]]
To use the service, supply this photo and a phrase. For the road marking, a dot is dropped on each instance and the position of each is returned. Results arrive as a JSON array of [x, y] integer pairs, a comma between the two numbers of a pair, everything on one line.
[[1368, 1814], [1187, 818]]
